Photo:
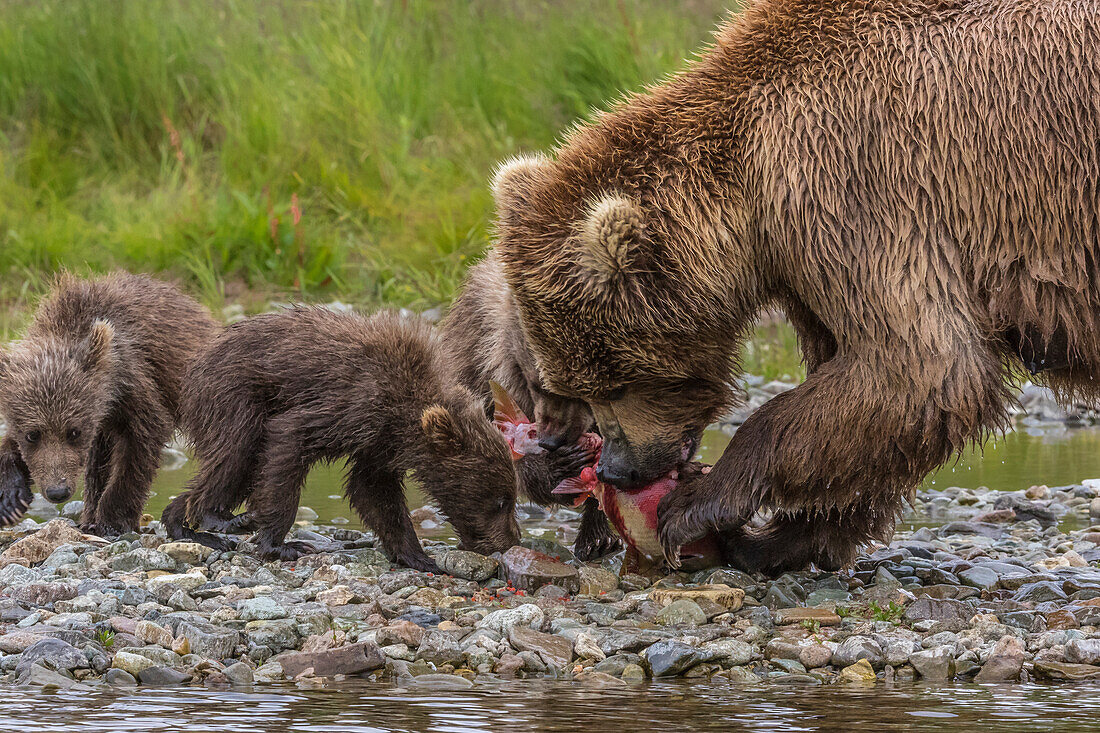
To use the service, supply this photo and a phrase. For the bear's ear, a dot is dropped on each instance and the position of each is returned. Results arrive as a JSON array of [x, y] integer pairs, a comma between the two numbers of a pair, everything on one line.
[[611, 238], [442, 432], [514, 179], [97, 349]]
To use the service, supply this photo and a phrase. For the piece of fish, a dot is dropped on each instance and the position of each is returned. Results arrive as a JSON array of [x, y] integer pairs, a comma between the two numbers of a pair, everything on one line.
[[522, 435], [633, 512]]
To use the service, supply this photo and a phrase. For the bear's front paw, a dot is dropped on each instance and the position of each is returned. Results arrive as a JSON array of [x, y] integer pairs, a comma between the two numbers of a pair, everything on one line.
[[690, 511]]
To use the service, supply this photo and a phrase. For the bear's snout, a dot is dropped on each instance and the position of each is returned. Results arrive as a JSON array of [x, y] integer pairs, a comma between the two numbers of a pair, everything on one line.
[[58, 492]]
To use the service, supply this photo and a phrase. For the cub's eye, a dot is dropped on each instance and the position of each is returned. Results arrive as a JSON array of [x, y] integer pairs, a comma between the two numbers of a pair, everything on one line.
[[33, 436], [616, 394], [73, 435], [502, 505]]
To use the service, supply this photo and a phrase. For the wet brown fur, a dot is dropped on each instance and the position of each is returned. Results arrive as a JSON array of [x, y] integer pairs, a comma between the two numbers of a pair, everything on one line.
[[93, 388], [277, 393], [484, 335], [915, 182]]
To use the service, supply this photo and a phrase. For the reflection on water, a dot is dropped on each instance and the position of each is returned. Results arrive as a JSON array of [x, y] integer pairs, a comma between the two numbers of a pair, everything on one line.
[[1055, 456], [556, 706]]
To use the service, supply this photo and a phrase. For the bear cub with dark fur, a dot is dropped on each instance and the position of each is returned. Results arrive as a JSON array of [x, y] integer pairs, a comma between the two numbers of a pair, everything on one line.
[[279, 392], [93, 388], [483, 332]]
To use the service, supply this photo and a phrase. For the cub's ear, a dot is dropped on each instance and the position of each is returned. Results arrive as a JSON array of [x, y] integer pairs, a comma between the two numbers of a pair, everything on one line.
[[97, 353], [514, 179], [443, 433], [611, 237]]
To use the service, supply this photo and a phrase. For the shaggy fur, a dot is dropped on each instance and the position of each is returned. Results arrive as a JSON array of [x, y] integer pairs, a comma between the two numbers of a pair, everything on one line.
[[915, 182], [94, 388], [276, 393], [484, 335]]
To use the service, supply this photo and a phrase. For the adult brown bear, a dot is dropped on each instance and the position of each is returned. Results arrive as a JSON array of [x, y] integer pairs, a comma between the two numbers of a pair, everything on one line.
[[915, 182]]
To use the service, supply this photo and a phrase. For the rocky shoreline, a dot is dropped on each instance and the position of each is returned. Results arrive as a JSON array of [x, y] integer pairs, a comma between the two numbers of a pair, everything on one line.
[[1001, 590]]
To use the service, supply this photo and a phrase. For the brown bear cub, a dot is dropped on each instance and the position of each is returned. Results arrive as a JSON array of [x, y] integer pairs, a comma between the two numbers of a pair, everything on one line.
[[94, 388], [276, 393], [483, 332]]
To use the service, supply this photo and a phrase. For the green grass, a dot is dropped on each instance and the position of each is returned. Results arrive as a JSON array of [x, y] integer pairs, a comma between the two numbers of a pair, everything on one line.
[[172, 136]]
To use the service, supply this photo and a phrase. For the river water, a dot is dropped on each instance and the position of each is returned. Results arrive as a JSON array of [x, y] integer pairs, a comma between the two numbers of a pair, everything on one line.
[[547, 705]]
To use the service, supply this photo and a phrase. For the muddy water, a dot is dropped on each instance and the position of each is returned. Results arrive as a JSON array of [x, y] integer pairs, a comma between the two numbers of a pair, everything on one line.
[[547, 705]]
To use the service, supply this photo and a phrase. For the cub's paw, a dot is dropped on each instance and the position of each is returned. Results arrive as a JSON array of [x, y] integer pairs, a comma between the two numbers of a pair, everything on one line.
[[15, 494], [285, 551], [107, 528], [240, 524], [595, 546], [420, 562], [568, 461]]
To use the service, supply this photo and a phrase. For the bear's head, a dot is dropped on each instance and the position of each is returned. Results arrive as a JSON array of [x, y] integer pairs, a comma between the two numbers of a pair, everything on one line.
[[470, 473], [633, 295], [54, 394]]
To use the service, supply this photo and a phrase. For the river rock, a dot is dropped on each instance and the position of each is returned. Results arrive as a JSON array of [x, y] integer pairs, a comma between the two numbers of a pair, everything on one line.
[[43, 594], [595, 580], [1065, 671], [260, 608], [38, 676], [207, 640], [400, 632], [861, 672], [555, 651], [157, 676], [469, 565], [821, 616], [142, 559], [855, 648], [529, 570], [1005, 661], [52, 654], [979, 577], [936, 609], [1083, 651], [239, 674], [721, 595], [191, 553], [730, 652], [439, 648], [17, 642], [669, 658], [132, 663], [585, 646], [681, 612], [813, 656], [504, 619], [276, 634], [37, 547], [351, 659], [119, 678], [152, 633]]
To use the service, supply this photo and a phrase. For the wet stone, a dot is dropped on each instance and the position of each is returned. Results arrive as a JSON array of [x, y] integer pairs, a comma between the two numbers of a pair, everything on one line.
[[469, 565], [163, 676], [855, 648], [669, 658], [1065, 671], [681, 612], [1040, 592], [350, 659], [555, 651], [934, 609], [529, 570], [53, 654]]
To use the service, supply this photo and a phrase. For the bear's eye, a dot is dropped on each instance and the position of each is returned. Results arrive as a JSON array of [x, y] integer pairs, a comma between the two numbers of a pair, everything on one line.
[[73, 435], [33, 436], [502, 505]]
